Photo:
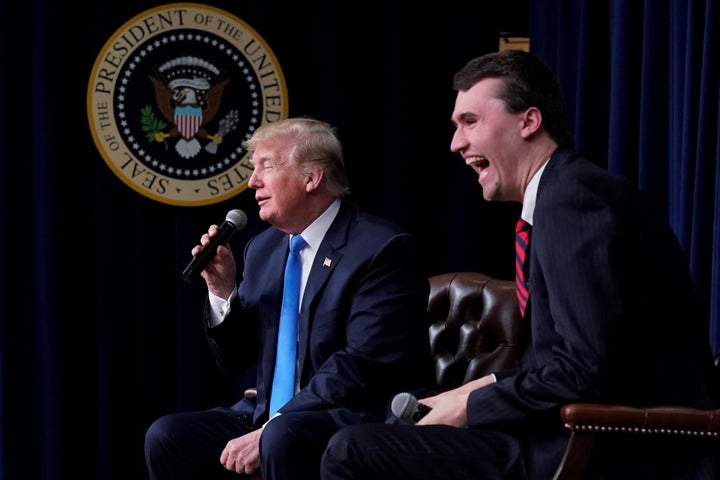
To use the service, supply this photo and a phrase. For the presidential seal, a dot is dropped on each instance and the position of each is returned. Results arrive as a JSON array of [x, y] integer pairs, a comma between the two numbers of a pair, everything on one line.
[[172, 96]]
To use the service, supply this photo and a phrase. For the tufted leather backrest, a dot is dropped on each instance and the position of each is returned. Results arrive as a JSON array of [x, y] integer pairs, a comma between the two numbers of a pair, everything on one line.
[[474, 326]]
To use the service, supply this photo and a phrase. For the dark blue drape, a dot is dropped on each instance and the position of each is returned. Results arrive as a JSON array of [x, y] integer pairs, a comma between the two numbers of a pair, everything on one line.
[[99, 335], [642, 84]]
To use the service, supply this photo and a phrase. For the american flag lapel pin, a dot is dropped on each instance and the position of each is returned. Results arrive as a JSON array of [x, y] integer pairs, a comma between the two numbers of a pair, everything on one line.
[[327, 262]]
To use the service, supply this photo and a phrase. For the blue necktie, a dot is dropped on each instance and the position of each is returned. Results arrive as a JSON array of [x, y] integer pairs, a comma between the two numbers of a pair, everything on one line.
[[522, 238], [283, 387]]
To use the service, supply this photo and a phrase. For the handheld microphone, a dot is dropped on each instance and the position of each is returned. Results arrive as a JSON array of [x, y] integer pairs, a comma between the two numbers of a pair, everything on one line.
[[234, 221], [406, 407]]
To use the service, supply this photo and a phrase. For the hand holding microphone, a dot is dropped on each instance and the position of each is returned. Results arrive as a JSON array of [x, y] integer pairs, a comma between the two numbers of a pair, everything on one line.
[[234, 220], [407, 408]]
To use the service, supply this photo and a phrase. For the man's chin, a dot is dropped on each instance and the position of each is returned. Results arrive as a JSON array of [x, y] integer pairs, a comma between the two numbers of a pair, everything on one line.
[[263, 214], [486, 192], [490, 194]]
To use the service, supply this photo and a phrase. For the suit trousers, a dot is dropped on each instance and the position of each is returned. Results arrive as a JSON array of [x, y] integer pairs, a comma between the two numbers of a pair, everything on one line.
[[405, 452], [187, 446]]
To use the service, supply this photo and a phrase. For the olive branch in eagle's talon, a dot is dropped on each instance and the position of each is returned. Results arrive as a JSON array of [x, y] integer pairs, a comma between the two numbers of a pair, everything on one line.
[[153, 126]]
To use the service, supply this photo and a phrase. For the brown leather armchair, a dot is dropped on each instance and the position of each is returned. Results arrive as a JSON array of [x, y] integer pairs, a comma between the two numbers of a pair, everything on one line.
[[474, 327]]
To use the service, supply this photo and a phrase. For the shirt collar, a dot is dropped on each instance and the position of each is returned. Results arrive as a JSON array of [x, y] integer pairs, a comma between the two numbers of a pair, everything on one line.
[[528, 205], [315, 232]]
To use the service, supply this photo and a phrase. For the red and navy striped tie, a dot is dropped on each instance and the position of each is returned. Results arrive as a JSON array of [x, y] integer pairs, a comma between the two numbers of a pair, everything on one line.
[[522, 237]]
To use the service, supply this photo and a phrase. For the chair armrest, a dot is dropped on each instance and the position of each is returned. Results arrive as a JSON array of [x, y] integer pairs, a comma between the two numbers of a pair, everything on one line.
[[586, 420], [673, 420]]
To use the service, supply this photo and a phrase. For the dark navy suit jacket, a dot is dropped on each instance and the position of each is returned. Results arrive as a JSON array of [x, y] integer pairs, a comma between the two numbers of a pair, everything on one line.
[[363, 330], [612, 317]]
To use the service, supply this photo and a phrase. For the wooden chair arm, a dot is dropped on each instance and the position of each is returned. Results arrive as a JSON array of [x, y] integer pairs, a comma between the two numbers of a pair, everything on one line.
[[668, 420], [586, 420], [251, 392]]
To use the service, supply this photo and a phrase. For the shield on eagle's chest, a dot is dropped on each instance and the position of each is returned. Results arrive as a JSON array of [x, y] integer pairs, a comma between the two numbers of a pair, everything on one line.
[[188, 120]]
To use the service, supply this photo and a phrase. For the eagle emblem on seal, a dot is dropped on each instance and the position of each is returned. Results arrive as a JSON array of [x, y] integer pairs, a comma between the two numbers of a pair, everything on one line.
[[188, 94]]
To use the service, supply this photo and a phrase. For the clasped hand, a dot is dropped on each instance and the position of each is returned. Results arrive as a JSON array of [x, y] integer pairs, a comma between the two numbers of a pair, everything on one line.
[[242, 454], [450, 408]]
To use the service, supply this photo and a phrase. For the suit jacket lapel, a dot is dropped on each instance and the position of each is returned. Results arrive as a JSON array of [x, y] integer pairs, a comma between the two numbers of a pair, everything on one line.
[[328, 256]]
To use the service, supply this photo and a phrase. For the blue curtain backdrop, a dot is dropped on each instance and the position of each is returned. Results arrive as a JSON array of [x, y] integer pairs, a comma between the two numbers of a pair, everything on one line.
[[642, 82], [99, 334]]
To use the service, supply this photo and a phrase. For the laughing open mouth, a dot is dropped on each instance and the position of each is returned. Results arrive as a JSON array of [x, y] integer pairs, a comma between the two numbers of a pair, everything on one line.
[[477, 161]]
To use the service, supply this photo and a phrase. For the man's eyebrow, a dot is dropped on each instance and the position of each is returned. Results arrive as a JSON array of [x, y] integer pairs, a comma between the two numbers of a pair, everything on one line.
[[463, 116]]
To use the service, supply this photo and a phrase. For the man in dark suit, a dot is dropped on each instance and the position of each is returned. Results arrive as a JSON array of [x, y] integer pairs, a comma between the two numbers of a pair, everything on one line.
[[611, 314], [362, 329]]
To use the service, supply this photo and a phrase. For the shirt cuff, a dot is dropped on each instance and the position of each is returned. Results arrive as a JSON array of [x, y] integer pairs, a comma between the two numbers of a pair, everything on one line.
[[219, 308]]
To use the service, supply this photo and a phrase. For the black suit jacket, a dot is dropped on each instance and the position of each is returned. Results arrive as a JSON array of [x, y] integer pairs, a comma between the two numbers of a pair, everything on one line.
[[612, 317], [363, 330]]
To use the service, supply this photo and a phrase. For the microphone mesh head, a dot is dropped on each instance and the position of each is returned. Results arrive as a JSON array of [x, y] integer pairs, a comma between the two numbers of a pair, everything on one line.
[[237, 217], [403, 405]]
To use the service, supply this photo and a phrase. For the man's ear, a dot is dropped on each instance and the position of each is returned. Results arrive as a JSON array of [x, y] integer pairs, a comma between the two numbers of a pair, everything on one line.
[[313, 178], [531, 121]]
